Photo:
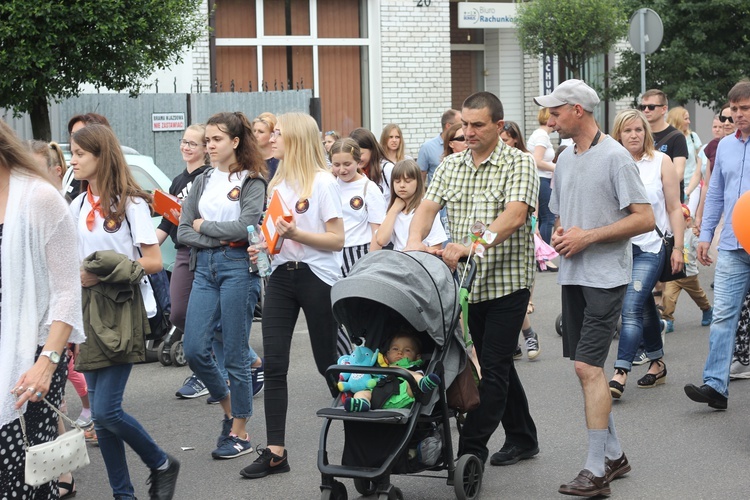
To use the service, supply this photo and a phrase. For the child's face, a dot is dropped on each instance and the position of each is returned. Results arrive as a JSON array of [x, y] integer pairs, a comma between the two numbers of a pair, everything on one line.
[[364, 157], [402, 347], [345, 166], [405, 188]]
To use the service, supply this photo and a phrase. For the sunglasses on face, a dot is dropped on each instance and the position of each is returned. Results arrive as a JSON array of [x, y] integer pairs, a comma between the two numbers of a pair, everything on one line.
[[723, 119], [650, 107], [459, 138]]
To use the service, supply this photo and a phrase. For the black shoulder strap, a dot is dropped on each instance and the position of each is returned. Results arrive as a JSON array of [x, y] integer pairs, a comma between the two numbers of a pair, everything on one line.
[[666, 138]]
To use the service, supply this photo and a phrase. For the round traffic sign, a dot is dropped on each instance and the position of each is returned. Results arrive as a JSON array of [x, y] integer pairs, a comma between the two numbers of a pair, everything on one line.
[[646, 27]]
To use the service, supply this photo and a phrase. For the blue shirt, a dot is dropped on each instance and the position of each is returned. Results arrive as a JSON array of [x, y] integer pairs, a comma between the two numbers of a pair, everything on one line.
[[729, 180], [430, 155]]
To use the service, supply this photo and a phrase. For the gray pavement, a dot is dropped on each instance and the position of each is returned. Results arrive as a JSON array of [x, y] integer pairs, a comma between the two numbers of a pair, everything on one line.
[[678, 449]]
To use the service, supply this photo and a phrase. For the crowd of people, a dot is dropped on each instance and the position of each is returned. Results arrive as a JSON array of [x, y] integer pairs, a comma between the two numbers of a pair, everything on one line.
[[607, 204]]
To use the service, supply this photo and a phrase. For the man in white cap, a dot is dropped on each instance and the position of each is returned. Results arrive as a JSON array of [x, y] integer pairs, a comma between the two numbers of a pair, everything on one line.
[[599, 202]]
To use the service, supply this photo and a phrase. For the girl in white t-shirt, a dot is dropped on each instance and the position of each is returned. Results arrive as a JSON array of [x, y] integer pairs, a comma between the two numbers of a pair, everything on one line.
[[361, 201], [222, 203], [304, 270], [407, 191], [375, 165], [112, 213]]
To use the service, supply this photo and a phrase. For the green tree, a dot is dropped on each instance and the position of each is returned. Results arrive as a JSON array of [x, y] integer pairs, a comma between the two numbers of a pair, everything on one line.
[[48, 48], [572, 30], [704, 51]]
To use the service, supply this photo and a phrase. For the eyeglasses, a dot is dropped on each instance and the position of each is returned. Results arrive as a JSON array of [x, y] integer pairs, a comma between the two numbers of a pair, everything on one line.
[[508, 126], [458, 138], [276, 132], [650, 107], [188, 144], [723, 118]]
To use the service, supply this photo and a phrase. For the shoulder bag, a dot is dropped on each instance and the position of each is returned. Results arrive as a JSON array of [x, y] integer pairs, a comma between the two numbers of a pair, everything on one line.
[[46, 461], [666, 272]]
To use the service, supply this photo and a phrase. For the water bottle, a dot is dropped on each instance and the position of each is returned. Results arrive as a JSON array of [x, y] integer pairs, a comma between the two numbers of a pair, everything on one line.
[[264, 261]]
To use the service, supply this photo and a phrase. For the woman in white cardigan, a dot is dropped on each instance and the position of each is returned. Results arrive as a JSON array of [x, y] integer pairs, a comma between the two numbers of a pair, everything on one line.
[[41, 308]]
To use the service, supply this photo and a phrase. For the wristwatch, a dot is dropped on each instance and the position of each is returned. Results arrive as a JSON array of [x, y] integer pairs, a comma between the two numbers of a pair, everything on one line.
[[53, 356]]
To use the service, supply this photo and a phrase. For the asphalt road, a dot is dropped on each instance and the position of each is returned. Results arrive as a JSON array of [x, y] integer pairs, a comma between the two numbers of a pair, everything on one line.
[[678, 449]]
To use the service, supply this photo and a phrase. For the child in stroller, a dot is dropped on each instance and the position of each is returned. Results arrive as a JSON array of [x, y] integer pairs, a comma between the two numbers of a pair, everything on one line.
[[404, 351]]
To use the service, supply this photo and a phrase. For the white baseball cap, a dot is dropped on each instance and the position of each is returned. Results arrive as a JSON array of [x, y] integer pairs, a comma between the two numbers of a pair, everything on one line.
[[570, 92]]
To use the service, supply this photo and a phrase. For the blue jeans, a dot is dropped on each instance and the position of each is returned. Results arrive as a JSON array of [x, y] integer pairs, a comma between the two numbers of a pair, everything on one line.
[[114, 427], [223, 291], [546, 217], [731, 283], [640, 320]]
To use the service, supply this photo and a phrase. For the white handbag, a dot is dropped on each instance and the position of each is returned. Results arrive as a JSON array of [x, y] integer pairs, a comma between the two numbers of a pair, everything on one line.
[[46, 461]]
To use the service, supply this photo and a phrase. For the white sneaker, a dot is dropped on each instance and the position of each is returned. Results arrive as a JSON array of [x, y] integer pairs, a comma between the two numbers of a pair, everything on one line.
[[82, 421], [532, 347], [738, 370]]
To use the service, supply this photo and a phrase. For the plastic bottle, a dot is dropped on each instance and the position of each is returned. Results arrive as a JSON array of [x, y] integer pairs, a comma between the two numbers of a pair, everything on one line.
[[264, 260]]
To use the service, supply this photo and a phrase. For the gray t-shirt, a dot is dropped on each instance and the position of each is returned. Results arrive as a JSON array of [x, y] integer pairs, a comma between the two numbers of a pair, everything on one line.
[[591, 190]]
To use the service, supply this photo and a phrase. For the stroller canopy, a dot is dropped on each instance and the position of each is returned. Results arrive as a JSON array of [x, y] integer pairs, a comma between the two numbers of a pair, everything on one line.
[[418, 287]]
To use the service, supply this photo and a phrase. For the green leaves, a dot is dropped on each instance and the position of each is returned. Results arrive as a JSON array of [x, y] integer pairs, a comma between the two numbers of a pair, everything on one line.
[[703, 54], [48, 48], [573, 30]]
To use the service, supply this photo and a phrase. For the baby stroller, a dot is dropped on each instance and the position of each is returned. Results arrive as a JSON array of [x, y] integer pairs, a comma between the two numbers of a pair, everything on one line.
[[384, 291]]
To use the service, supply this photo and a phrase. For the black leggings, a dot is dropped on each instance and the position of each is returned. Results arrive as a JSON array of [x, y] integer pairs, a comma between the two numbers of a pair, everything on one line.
[[288, 291]]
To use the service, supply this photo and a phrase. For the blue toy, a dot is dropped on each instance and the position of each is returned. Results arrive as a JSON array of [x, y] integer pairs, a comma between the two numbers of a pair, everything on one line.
[[354, 382]]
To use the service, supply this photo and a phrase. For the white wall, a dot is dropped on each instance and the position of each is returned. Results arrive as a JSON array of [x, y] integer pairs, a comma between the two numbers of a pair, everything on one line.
[[415, 68]]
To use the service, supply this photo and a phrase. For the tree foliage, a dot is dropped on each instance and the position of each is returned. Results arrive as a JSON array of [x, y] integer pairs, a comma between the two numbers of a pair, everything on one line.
[[48, 48], [704, 51], [572, 30]]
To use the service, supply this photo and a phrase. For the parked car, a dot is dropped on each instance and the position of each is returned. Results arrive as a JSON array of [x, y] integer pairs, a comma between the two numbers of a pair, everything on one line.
[[148, 176]]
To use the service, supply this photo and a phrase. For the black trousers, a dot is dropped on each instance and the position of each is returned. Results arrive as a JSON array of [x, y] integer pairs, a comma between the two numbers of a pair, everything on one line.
[[494, 326], [287, 292]]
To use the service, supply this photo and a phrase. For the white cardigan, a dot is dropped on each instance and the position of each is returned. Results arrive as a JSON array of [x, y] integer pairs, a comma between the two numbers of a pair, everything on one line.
[[40, 279]]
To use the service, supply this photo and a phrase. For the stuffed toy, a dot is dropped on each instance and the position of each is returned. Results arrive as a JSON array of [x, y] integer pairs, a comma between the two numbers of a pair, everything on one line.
[[354, 382]]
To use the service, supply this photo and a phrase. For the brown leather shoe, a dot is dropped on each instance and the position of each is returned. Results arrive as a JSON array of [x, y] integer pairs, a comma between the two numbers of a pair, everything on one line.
[[586, 484], [616, 468]]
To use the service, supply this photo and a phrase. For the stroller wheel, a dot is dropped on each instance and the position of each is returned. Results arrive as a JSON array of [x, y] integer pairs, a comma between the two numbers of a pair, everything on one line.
[[178, 354], [164, 357], [336, 492], [467, 480], [558, 324], [364, 487], [395, 494]]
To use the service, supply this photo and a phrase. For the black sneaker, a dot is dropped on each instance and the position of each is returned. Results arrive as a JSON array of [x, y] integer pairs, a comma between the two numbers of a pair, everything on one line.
[[163, 481], [518, 353], [267, 463]]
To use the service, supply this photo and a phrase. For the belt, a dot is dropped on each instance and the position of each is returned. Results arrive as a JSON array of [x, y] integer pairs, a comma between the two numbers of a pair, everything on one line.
[[295, 265], [238, 244]]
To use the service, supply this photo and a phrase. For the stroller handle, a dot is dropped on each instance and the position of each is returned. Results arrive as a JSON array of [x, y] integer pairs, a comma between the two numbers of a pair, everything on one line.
[[471, 273]]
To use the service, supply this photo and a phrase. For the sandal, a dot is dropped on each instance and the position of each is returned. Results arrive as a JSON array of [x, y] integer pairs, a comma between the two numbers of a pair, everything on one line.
[[70, 488], [653, 379], [616, 388]]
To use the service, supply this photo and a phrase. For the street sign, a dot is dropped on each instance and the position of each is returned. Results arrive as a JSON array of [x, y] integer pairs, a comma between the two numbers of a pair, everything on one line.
[[646, 32], [651, 34]]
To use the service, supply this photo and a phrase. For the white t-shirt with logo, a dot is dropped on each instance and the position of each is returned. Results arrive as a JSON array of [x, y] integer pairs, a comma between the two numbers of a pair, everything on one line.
[[220, 201], [311, 215], [400, 233], [360, 209], [385, 183], [125, 237]]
